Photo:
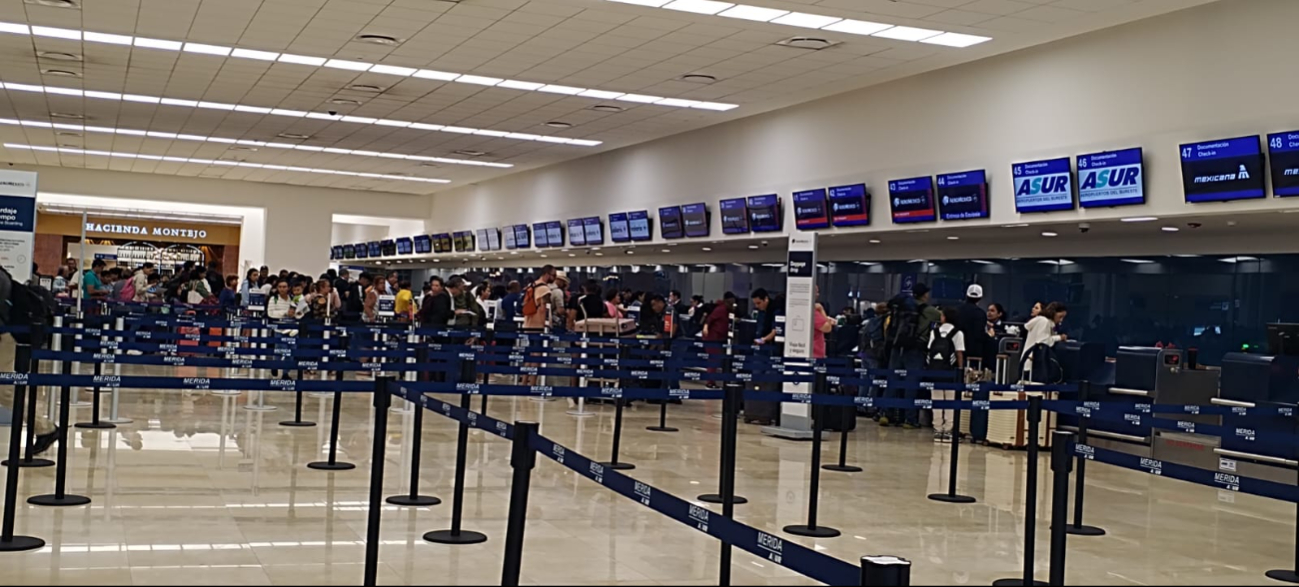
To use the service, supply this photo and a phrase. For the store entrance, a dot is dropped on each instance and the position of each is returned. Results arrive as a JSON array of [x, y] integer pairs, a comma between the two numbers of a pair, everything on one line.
[[128, 240]]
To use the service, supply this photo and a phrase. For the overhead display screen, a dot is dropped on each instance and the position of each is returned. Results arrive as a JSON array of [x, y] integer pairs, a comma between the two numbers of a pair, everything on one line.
[[735, 216], [576, 232], [493, 239], [1043, 186], [423, 244], [362, 251], [1112, 178], [480, 236], [619, 231], [670, 222], [639, 223], [509, 238], [376, 249], [335, 253], [1283, 150], [522, 239], [695, 221], [810, 211], [349, 251], [540, 238], [912, 200], [765, 213], [963, 196], [464, 242], [445, 239], [387, 247], [593, 229], [1229, 169], [405, 246], [850, 205], [555, 233]]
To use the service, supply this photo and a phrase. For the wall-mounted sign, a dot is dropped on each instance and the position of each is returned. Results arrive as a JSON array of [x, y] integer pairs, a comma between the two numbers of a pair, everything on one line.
[[146, 230], [17, 222]]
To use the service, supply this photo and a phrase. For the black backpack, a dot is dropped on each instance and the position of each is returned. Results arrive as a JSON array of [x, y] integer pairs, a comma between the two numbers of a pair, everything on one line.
[[902, 331], [941, 355], [25, 305]]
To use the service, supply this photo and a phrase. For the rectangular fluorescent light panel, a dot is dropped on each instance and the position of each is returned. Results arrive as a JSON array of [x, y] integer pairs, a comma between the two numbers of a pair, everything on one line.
[[856, 27], [757, 13], [956, 40], [805, 20], [207, 49], [906, 33], [698, 6]]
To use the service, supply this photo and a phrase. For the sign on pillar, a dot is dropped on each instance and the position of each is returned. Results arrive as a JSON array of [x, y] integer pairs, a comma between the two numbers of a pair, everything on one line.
[[800, 303], [17, 222]]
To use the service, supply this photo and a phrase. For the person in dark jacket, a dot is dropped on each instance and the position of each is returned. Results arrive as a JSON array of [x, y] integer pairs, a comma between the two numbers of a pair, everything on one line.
[[436, 310], [972, 321]]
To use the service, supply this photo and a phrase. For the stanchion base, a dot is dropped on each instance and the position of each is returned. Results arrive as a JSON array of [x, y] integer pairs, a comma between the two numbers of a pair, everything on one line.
[[94, 426], [1283, 575], [418, 501], [119, 420], [1017, 582], [297, 424], [945, 498], [715, 498], [810, 532], [464, 537], [52, 500], [327, 466], [32, 464], [662, 429], [82, 404], [618, 466], [843, 468], [320, 394], [261, 408], [1086, 530], [580, 414], [224, 392], [21, 543]]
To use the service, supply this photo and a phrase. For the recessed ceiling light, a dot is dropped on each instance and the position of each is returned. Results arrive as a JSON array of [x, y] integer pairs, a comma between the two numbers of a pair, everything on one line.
[[631, 252], [753, 247], [1015, 226], [599, 254], [559, 124], [58, 56], [953, 238], [370, 88], [67, 116], [1050, 234], [875, 241], [293, 136], [1137, 261], [60, 72], [708, 249], [377, 39], [698, 78], [345, 102], [1170, 229], [666, 251], [1141, 219]]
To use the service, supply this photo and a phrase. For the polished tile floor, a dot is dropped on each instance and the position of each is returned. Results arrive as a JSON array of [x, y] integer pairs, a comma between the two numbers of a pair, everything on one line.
[[198, 491]]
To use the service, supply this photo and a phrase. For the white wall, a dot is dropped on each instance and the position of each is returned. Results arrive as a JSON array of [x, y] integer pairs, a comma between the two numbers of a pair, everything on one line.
[[297, 229], [1209, 72]]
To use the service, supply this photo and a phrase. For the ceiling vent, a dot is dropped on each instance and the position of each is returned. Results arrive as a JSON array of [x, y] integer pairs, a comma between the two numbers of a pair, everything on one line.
[[469, 153], [809, 43], [371, 89], [345, 102], [58, 56], [698, 78], [384, 40], [60, 72], [607, 108], [559, 124], [56, 3], [293, 136], [67, 116]]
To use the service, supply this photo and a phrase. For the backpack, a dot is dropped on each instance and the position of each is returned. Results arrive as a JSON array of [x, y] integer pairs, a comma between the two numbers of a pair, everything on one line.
[[941, 355], [24, 305], [902, 330], [530, 300], [128, 291], [872, 336]]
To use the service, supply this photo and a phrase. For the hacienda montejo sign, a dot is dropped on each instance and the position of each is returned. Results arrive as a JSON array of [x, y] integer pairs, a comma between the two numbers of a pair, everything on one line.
[[138, 230]]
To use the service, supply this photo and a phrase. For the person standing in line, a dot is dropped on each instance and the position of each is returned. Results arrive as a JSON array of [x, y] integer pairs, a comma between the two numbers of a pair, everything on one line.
[[140, 281], [972, 321], [1040, 335], [611, 304], [92, 285], [215, 280], [281, 304], [559, 315], [872, 348], [436, 310], [911, 318], [370, 305], [405, 303], [946, 351], [679, 306], [717, 328], [535, 307], [769, 307], [510, 303], [994, 328]]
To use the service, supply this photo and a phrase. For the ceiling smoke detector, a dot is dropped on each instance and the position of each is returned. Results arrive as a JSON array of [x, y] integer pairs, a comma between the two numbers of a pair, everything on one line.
[[67, 116], [607, 108], [60, 72], [698, 78], [56, 3], [373, 39], [469, 153], [345, 102], [58, 56], [293, 136], [366, 88], [809, 43]]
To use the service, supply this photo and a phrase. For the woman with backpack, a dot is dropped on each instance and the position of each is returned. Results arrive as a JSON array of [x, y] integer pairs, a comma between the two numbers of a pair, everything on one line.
[[945, 352]]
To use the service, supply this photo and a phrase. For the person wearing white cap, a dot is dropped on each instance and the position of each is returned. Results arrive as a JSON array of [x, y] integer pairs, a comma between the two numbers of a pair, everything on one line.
[[971, 320]]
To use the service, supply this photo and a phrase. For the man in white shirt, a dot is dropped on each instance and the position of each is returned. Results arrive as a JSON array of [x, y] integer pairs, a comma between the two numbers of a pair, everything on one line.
[[946, 352]]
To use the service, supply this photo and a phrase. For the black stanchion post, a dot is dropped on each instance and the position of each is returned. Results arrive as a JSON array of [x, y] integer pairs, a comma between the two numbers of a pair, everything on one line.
[[1030, 500], [818, 429], [614, 463], [60, 497], [1290, 575], [95, 392], [382, 401], [885, 571], [333, 464], [664, 384], [23, 363], [413, 498], [523, 459], [8, 541], [456, 535], [1061, 464], [730, 405], [1077, 528], [842, 466], [297, 421], [953, 467], [727, 467]]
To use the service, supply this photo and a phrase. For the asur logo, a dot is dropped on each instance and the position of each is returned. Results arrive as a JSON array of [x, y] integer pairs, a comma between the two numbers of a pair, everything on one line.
[[1116, 177], [1042, 185]]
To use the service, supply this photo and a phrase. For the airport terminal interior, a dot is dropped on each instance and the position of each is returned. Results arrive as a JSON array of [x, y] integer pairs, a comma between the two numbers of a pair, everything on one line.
[[649, 292]]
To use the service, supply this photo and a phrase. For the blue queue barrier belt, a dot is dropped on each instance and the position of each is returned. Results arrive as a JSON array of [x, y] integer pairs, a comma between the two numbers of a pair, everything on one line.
[[1206, 477], [803, 560], [189, 383], [1091, 408], [1259, 436]]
